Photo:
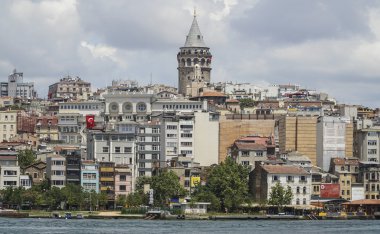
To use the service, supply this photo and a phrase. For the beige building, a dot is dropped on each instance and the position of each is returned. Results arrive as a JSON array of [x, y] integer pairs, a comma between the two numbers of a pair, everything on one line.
[[70, 88], [347, 170], [8, 125], [299, 133], [232, 129], [206, 135]]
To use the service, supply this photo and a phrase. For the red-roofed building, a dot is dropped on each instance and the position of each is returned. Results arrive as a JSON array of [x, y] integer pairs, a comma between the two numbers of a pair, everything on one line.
[[247, 150]]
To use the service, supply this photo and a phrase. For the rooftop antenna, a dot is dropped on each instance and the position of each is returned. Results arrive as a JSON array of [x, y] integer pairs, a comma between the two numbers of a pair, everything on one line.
[[151, 78]]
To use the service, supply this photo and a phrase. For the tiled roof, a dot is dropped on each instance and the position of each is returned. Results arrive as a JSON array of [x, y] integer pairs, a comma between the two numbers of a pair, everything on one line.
[[363, 202], [343, 161], [212, 94], [250, 146], [284, 169]]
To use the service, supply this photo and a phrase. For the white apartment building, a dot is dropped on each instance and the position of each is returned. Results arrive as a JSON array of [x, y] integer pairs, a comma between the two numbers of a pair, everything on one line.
[[367, 144], [56, 170], [206, 138], [9, 176], [8, 125], [331, 143], [72, 120], [16, 87]]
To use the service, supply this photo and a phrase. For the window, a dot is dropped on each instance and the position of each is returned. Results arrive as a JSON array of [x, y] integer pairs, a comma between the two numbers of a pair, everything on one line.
[[141, 139], [275, 178], [348, 192], [141, 156], [155, 130], [122, 187], [259, 153], [141, 173], [169, 135], [187, 183], [372, 142], [298, 190], [303, 179], [89, 176], [304, 190], [186, 144], [342, 192], [10, 173], [155, 139], [155, 156], [244, 153], [117, 149], [186, 135], [10, 183], [290, 178], [105, 149], [127, 149], [245, 163], [155, 147], [141, 147], [372, 133], [297, 201], [372, 151], [141, 107], [59, 173], [142, 165], [35, 175], [123, 177], [171, 127], [304, 201]]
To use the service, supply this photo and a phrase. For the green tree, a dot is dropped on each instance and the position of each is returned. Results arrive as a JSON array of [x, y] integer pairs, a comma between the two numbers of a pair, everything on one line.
[[228, 182], [246, 102], [136, 199], [102, 199], [279, 196], [202, 194], [121, 200], [26, 157], [165, 186]]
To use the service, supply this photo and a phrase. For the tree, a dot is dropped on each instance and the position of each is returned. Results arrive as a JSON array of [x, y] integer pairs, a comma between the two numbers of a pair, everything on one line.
[[202, 194], [279, 196], [121, 200], [136, 199], [246, 102], [165, 186], [26, 157], [228, 182]]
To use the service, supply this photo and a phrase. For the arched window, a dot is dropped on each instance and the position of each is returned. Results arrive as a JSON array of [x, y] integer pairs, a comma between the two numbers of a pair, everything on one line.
[[304, 190], [127, 107], [297, 201], [188, 62], [298, 189], [114, 107], [304, 201]]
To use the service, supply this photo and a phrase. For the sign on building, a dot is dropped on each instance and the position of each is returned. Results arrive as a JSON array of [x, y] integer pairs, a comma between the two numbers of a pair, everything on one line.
[[330, 191]]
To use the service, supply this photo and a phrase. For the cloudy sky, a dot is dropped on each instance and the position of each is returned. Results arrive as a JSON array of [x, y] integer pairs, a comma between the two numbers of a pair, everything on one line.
[[328, 45]]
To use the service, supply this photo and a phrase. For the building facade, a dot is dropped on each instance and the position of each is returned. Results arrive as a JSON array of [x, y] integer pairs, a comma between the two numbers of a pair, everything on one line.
[[8, 125], [16, 87]]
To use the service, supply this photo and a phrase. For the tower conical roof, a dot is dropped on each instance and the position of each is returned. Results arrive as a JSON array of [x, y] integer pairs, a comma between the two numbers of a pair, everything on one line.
[[194, 38]]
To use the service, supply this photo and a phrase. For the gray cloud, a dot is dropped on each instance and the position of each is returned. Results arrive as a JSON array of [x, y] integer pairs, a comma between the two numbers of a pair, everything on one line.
[[327, 45]]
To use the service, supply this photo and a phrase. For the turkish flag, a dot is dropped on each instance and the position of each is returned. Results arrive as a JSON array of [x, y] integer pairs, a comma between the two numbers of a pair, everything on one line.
[[90, 121]]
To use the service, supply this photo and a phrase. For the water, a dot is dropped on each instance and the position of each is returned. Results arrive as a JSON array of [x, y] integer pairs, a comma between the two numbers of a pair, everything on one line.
[[30, 226]]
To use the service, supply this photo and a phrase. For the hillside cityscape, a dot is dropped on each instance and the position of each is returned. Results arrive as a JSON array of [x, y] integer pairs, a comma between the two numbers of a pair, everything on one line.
[[201, 146]]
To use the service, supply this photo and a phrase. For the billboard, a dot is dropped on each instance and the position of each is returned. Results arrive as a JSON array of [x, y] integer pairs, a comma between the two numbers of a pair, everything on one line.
[[195, 181], [330, 191]]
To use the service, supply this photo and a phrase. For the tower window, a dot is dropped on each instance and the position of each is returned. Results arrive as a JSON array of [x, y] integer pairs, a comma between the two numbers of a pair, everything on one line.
[[199, 37]]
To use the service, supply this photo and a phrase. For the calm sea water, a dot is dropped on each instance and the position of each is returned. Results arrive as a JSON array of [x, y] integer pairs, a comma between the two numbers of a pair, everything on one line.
[[29, 226]]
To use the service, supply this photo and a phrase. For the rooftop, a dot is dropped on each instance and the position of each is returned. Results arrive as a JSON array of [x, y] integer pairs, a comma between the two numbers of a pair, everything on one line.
[[284, 169]]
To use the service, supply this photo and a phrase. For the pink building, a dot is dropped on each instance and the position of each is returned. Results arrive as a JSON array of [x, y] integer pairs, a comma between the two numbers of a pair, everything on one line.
[[123, 180]]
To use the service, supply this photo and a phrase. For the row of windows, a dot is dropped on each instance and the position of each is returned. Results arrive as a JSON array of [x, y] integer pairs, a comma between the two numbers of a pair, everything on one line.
[[114, 138], [117, 150], [372, 151], [154, 147], [176, 107], [6, 117], [289, 178], [79, 107], [5, 127], [10, 173]]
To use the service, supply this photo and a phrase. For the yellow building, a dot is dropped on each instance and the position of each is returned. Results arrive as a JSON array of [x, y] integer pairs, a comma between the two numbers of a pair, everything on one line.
[[8, 125]]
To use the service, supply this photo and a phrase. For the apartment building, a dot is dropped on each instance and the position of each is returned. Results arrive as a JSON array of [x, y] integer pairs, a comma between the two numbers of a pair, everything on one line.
[[367, 143], [331, 140], [123, 180], [89, 176], [107, 181], [69, 88], [8, 124], [369, 175], [347, 170], [9, 176], [266, 176], [56, 170], [16, 87]]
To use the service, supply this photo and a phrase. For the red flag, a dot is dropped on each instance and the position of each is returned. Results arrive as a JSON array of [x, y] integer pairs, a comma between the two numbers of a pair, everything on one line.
[[90, 121]]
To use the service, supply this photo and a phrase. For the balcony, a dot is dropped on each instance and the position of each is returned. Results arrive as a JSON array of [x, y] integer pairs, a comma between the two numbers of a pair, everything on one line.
[[110, 179], [106, 169]]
